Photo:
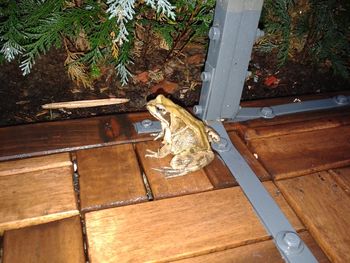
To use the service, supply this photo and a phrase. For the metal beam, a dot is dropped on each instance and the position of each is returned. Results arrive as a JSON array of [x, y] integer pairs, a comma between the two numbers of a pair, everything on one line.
[[249, 113], [231, 40], [290, 245]]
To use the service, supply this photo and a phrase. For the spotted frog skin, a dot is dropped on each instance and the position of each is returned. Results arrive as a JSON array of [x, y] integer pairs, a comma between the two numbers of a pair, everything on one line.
[[184, 136]]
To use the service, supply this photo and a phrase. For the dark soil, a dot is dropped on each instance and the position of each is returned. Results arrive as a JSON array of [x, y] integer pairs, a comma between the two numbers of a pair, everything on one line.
[[21, 97]]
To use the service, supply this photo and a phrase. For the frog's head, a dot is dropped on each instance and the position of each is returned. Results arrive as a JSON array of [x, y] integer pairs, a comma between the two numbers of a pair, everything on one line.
[[161, 108]]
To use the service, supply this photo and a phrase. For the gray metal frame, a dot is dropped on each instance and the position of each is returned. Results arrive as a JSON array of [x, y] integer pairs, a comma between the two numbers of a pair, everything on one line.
[[232, 37]]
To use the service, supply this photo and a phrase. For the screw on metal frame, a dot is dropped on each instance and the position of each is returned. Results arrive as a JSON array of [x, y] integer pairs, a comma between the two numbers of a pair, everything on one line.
[[289, 242], [267, 113], [146, 123], [341, 100]]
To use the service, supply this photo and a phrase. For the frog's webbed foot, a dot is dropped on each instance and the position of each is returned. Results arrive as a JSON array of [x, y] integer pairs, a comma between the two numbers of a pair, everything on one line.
[[151, 154], [157, 135], [170, 172]]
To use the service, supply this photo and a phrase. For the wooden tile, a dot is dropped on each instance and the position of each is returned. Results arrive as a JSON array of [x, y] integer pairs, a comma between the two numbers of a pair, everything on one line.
[[312, 116], [342, 177], [324, 122], [62, 136], [36, 197], [264, 251], [176, 228], [109, 176], [56, 242], [256, 166], [219, 175], [162, 187], [324, 208], [297, 154], [35, 164]]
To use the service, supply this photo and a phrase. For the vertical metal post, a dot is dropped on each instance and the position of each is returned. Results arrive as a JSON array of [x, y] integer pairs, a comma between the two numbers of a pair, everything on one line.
[[231, 40]]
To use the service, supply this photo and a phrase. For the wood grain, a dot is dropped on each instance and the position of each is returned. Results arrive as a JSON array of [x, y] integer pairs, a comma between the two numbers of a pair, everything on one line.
[[264, 251], [219, 175], [56, 242], [298, 154], [36, 197], [162, 187], [70, 135], [342, 177], [324, 208], [289, 119], [176, 228], [297, 127], [34, 164], [256, 166], [109, 176]]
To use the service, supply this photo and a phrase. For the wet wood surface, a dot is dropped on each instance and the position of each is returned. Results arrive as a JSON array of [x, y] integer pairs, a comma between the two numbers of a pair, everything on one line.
[[109, 176], [62, 136], [302, 153], [323, 206], [36, 197], [163, 187], [35, 164], [342, 177], [260, 252], [55, 242], [184, 226]]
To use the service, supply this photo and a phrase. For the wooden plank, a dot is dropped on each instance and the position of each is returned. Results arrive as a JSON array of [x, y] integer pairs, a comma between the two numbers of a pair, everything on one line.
[[298, 154], [162, 187], [56, 242], [34, 164], [324, 208], [287, 119], [264, 251], [256, 166], [109, 176], [176, 228], [297, 127], [62, 136], [342, 177], [219, 175], [36, 197]]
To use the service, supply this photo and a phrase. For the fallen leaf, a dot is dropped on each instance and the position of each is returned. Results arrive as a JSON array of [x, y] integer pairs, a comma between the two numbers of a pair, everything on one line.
[[142, 77], [196, 59], [165, 86], [271, 81]]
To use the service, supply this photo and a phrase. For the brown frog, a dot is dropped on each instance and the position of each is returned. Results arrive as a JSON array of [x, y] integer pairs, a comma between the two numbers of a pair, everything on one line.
[[184, 136]]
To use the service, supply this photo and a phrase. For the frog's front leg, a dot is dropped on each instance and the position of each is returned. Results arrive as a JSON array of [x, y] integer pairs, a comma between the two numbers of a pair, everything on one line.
[[161, 153]]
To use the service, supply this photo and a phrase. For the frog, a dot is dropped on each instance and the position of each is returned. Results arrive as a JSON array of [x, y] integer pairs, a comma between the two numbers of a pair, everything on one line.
[[184, 136]]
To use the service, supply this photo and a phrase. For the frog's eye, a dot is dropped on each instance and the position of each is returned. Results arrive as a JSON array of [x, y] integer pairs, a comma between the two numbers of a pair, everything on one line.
[[160, 108]]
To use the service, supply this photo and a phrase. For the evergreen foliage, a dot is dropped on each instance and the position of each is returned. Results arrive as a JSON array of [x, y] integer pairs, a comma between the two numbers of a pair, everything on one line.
[[94, 33], [312, 31]]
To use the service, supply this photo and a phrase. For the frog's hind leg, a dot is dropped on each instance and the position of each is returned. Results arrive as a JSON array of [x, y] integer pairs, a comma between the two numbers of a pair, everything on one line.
[[186, 163]]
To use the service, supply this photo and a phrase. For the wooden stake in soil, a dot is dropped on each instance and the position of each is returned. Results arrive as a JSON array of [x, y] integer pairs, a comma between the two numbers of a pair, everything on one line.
[[84, 103]]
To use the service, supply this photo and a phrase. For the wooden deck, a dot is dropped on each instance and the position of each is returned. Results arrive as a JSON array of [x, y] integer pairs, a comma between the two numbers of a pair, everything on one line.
[[116, 208]]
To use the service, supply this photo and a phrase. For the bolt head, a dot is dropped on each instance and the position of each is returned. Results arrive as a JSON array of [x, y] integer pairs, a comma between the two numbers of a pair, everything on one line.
[[214, 33], [197, 109], [205, 76], [341, 100], [292, 240], [267, 112], [146, 123]]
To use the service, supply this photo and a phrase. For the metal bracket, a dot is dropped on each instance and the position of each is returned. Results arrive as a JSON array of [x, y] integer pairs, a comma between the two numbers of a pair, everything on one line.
[[292, 248], [249, 113], [147, 126]]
